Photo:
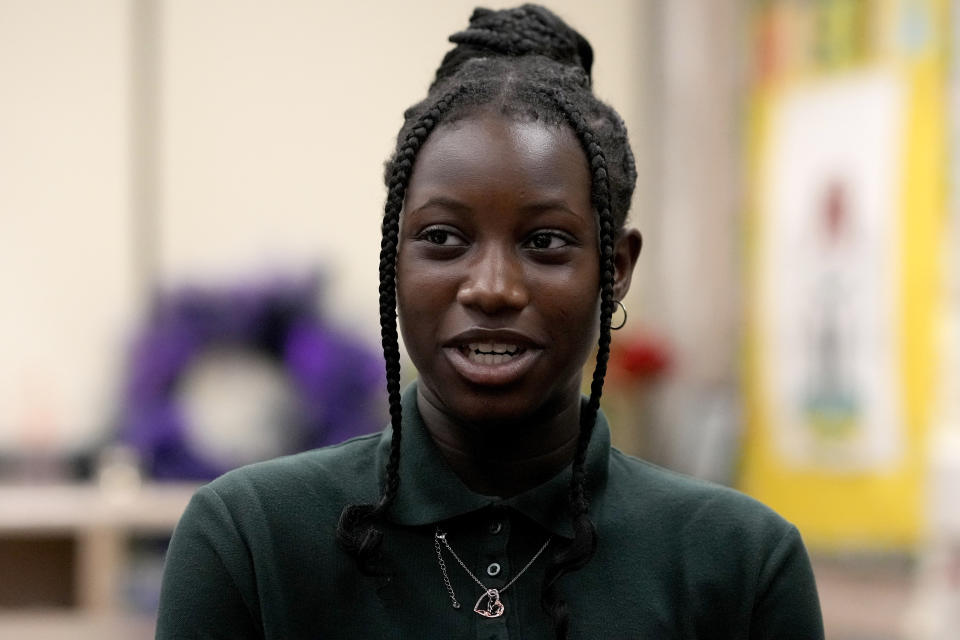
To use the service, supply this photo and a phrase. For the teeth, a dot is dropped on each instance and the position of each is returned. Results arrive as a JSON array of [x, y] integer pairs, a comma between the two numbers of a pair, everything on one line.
[[489, 358], [493, 348], [492, 353]]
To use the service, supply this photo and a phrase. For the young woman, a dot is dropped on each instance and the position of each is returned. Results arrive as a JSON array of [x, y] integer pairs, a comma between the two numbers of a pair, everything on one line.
[[493, 505]]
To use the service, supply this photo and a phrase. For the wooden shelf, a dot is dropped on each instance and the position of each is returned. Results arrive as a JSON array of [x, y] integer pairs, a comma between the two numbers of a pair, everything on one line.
[[97, 524], [46, 509], [58, 625]]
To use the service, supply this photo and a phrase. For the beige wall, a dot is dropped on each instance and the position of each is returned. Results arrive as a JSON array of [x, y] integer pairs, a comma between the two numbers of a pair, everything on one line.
[[277, 119], [65, 279], [265, 150]]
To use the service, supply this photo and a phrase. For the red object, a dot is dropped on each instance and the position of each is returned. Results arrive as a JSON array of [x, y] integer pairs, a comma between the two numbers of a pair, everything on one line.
[[638, 358]]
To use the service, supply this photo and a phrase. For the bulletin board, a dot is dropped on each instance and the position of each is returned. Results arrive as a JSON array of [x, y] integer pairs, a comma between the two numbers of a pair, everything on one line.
[[847, 181]]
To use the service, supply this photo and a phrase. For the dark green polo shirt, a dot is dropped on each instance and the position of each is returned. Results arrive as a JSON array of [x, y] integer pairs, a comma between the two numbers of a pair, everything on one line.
[[255, 554]]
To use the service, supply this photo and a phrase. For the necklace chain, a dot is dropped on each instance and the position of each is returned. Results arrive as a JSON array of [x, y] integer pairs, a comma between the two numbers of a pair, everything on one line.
[[494, 608]]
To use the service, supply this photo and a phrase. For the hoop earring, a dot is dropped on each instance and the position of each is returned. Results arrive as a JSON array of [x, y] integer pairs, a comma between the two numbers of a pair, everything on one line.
[[622, 322]]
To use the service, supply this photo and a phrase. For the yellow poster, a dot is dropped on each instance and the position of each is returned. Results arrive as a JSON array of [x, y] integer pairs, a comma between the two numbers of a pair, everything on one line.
[[847, 158]]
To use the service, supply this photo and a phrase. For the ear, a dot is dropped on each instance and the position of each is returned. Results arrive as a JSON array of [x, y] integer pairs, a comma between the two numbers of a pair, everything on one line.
[[626, 250]]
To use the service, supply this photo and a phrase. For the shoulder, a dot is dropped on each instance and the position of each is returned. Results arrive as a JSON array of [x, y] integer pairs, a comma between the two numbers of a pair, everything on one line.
[[690, 509], [346, 463], [317, 482], [698, 537], [717, 558], [260, 525]]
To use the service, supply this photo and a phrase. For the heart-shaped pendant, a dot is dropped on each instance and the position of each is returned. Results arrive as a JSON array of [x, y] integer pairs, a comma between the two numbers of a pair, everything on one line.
[[493, 607]]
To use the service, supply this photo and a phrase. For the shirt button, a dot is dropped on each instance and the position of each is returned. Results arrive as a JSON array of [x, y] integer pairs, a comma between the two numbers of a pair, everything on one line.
[[495, 527], [493, 570]]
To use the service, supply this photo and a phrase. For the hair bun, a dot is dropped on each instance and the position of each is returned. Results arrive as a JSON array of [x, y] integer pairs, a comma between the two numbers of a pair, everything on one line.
[[526, 30]]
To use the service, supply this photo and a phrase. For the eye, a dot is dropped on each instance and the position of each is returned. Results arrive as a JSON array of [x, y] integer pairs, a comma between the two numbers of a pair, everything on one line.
[[546, 240], [441, 236]]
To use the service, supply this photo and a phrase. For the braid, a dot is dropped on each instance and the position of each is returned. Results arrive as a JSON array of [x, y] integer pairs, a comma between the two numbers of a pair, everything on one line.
[[577, 553], [357, 529], [525, 30]]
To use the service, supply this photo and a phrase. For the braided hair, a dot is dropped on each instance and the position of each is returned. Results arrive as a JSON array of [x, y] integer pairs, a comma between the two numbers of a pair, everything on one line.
[[524, 63]]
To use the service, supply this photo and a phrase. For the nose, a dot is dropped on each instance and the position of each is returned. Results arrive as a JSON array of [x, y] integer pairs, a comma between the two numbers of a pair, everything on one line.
[[494, 282]]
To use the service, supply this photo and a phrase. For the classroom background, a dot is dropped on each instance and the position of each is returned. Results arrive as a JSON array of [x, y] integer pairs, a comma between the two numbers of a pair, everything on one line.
[[190, 196]]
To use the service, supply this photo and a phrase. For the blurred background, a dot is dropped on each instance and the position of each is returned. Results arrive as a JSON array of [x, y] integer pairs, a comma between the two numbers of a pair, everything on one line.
[[190, 196]]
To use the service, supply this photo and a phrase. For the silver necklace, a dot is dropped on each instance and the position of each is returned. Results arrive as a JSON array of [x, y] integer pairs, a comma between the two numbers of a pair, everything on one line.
[[488, 604]]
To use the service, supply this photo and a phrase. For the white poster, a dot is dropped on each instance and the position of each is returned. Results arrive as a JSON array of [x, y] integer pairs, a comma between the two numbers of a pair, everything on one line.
[[830, 274]]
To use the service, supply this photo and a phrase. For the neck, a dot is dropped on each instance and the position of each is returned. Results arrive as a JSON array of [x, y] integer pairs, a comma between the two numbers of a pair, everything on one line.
[[504, 460]]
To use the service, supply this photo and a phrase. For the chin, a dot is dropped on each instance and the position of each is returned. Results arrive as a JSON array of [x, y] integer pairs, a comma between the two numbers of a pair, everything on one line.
[[504, 409]]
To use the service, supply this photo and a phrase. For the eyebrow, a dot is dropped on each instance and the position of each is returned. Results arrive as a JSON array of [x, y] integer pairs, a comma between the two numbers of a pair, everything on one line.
[[532, 208], [550, 205], [443, 202]]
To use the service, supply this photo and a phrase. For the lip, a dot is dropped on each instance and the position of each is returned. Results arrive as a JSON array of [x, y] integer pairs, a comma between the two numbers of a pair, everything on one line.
[[492, 374]]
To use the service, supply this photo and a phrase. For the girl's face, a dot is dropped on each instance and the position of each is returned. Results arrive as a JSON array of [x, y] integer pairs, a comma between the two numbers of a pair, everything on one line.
[[498, 269]]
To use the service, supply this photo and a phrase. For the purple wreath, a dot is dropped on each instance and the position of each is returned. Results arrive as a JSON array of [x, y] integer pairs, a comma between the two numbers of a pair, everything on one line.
[[339, 381]]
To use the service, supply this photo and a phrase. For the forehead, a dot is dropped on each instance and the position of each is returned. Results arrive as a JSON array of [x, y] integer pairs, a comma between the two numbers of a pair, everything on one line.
[[527, 158]]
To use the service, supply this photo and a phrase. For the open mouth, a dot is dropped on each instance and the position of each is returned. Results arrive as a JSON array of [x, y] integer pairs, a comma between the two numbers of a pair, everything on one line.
[[492, 361], [491, 353]]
